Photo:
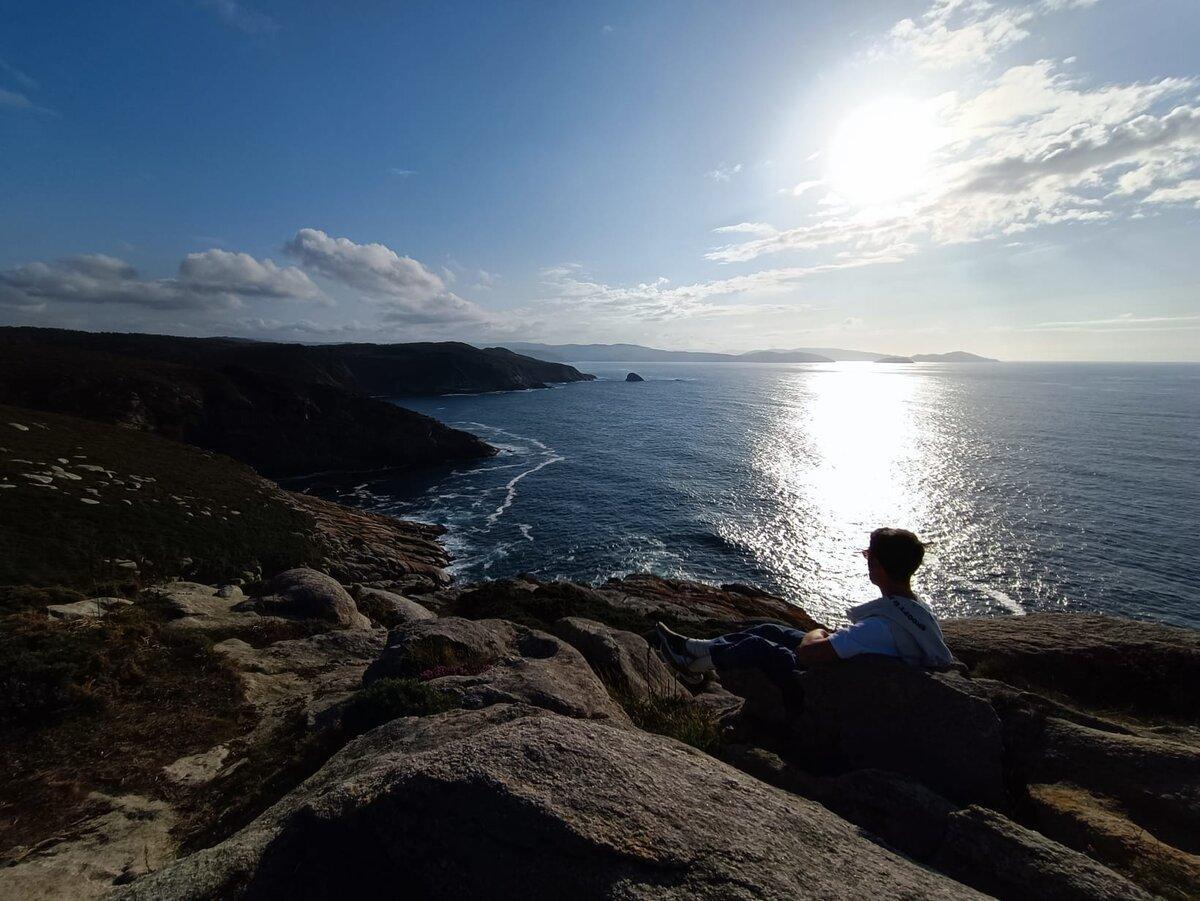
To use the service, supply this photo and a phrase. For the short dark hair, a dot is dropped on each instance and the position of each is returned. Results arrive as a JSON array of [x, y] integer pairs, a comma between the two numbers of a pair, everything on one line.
[[898, 551]]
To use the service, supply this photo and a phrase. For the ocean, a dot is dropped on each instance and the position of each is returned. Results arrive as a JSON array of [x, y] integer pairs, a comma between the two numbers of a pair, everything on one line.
[[1039, 486]]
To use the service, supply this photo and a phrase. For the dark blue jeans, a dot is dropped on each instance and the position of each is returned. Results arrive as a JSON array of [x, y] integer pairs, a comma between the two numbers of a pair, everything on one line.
[[768, 647]]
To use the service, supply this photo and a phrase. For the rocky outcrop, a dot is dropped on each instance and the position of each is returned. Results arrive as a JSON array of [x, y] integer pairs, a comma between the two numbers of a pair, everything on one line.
[[1104, 662], [310, 594], [633, 604], [355, 546], [513, 803], [634, 377]]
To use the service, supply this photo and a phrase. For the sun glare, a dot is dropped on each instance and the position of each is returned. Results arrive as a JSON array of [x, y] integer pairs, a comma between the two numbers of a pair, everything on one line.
[[882, 152]]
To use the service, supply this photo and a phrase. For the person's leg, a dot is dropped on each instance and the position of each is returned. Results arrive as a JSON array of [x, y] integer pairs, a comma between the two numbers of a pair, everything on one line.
[[784, 635], [755, 652]]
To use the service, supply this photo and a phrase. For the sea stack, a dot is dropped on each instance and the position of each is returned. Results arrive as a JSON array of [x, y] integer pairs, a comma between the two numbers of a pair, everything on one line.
[[634, 377]]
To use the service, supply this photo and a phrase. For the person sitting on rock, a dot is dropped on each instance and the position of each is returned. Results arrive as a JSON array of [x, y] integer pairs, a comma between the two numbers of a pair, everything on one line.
[[896, 624]]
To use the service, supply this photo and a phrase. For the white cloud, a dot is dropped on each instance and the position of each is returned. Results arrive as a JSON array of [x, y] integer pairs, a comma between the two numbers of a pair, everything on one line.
[[410, 292], [953, 32], [1033, 148], [240, 273], [724, 172], [402, 173], [746, 228], [241, 17], [207, 281], [1184, 192]]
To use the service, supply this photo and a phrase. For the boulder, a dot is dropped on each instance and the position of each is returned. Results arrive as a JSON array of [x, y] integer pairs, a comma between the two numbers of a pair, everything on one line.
[[513, 803], [1003, 858], [314, 595], [426, 648], [389, 609], [496, 662], [873, 712], [1101, 661], [623, 661]]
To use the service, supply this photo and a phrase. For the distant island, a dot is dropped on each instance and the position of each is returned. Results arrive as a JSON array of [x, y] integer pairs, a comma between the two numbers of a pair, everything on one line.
[[637, 353]]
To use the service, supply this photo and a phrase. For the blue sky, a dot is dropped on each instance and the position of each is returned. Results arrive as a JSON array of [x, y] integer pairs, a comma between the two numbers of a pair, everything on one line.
[[1020, 179]]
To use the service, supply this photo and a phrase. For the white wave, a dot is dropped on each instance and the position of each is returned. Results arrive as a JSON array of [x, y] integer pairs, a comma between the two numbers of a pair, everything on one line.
[[526, 529], [511, 488]]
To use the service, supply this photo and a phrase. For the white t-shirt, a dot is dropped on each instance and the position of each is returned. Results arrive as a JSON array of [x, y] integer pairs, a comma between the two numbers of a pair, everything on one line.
[[871, 636]]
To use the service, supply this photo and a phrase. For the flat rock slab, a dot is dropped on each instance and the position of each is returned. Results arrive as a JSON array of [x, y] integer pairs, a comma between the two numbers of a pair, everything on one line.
[[303, 668], [92, 608], [127, 836], [513, 803]]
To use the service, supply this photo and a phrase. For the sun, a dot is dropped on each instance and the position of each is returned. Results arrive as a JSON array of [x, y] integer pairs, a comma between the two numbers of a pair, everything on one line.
[[883, 151]]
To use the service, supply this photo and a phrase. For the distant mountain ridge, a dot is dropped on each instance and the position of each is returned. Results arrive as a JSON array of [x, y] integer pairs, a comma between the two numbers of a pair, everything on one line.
[[637, 353]]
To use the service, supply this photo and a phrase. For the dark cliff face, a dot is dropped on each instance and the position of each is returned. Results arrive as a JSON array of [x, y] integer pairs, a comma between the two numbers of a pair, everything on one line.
[[303, 422], [380, 369]]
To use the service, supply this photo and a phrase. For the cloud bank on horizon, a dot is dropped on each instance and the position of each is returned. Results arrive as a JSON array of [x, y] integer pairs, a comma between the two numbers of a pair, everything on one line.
[[984, 164]]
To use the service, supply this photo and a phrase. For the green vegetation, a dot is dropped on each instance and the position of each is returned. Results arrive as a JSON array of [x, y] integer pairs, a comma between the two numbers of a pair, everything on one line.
[[389, 699], [676, 716], [101, 506]]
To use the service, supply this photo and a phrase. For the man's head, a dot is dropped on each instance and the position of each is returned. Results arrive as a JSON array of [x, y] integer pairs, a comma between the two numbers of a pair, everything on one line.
[[893, 556]]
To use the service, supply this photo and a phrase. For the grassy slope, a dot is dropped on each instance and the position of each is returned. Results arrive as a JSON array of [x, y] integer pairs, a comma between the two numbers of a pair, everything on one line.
[[184, 503]]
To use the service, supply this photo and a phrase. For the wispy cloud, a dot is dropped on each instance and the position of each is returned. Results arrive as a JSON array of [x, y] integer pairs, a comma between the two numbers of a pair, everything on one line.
[[1128, 322], [746, 228], [239, 16], [24, 80], [724, 172], [402, 173]]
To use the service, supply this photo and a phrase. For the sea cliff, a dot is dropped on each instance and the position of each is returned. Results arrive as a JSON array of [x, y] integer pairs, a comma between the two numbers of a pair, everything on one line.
[[287, 410]]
